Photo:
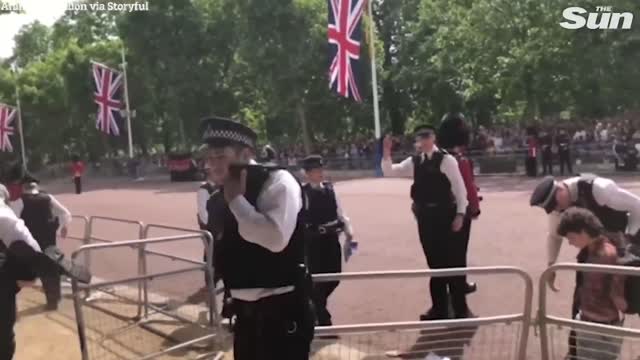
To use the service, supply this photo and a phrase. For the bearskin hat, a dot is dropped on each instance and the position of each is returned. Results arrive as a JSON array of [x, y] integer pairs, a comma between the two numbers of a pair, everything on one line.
[[453, 131]]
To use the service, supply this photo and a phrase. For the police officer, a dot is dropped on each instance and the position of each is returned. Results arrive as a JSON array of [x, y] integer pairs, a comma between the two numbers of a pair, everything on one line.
[[43, 214], [325, 220], [616, 208], [12, 230], [440, 202], [546, 142], [564, 151], [453, 135], [20, 260], [258, 222]]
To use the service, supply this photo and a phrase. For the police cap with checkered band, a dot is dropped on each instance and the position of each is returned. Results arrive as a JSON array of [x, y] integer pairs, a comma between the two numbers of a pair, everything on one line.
[[220, 132]]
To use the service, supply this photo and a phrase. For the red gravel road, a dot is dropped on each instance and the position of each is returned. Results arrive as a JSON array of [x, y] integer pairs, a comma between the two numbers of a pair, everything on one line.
[[509, 232]]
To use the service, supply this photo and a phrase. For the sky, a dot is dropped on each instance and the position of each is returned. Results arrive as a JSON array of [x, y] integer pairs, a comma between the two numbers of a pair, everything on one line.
[[45, 11]]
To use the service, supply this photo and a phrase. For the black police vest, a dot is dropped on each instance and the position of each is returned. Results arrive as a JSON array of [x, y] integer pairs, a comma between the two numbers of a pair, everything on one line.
[[210, 189], [38, 217], [322, 205], [245, 265], [613, 220], [430, 185]]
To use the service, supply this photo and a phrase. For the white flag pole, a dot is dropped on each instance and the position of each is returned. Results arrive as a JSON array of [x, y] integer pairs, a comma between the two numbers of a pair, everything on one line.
[[126, 101], [20, 127], [374, 76]]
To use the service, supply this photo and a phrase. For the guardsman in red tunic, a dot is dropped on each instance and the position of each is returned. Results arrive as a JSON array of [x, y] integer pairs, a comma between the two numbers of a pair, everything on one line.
[[531, 163], [453, 136]]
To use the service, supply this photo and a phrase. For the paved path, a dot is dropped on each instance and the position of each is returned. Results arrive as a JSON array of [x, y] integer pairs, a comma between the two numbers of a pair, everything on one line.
[[508, 232]]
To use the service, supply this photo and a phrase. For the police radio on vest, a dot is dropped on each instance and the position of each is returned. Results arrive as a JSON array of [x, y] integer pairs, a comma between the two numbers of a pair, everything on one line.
[[602, 19]]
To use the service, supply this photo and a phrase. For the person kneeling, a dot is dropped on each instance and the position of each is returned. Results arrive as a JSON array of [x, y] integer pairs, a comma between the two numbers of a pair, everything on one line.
[[601, 295]]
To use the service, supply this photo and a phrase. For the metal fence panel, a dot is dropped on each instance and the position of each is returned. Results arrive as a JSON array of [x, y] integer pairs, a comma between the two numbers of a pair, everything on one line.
[[112, 325], [495, 337], [607, 342]]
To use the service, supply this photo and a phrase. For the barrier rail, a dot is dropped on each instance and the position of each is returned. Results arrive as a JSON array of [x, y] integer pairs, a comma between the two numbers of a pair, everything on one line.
[[93, 219], [545, 321], [207, 240], [84, 238], [451, 339], [122, 311], [91, 238]]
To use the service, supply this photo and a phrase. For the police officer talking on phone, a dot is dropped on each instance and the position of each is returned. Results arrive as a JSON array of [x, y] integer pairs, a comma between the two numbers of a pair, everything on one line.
[[261, 246]]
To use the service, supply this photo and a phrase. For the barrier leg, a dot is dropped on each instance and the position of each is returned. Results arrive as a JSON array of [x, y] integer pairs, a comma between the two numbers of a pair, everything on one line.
[[79, 319]]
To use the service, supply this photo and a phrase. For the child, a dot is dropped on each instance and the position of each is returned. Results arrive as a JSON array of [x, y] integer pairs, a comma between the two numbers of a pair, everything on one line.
[[601, 295]]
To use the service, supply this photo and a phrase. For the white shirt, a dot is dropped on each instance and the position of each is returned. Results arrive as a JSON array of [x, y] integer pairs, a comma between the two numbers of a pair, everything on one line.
[[606, 193], [202, 196], [13, 229], [348, 228], [449, 168], [59, 211], [270, 224]]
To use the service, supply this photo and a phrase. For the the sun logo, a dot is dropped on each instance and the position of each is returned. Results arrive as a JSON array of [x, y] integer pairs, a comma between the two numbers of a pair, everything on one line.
[[603, 18]]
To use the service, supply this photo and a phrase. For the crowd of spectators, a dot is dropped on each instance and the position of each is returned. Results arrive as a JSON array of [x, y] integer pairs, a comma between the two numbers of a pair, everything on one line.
[[586, 134]]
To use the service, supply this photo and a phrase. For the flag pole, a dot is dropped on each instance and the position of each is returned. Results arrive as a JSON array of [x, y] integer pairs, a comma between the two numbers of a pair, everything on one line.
[[20, 128], [126, 101], [374, 76]]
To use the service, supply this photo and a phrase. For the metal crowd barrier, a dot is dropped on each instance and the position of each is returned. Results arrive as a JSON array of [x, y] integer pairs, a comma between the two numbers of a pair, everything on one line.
[[373, 340], [84, 238], [554, 330], [94, 219], [206, 237], [92, 238], [114, 336]]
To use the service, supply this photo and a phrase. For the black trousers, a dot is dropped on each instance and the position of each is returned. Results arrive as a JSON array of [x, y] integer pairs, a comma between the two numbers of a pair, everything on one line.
[[547, 162], [465, 234], [325, 256], [531, 166], [443, 249], [565, 159], [7, 315], [51, 288], [276, 327], [51, 279], [77, 180], [575, 309]]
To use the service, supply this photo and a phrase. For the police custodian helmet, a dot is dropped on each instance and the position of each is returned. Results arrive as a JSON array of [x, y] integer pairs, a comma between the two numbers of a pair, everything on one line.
[[544, 195], [453, 131]]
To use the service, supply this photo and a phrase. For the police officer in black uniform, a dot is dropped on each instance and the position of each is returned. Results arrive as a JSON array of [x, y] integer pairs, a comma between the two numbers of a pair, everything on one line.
[[257, 221], [43, 215], [20, 260], [616, 208], [440, 202], [546, 142], [325, 221], [564, 151]]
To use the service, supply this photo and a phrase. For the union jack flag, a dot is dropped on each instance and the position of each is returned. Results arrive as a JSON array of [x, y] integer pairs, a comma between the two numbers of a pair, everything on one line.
[[108, 82], [7, 114], [345, 17]]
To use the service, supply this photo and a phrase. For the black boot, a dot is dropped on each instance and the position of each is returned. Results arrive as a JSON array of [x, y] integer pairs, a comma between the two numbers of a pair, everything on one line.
[[471, 288], [432, 314]]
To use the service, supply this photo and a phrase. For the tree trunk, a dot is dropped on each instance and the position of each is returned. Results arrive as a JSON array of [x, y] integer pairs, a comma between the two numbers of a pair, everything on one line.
[[303, 124]]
